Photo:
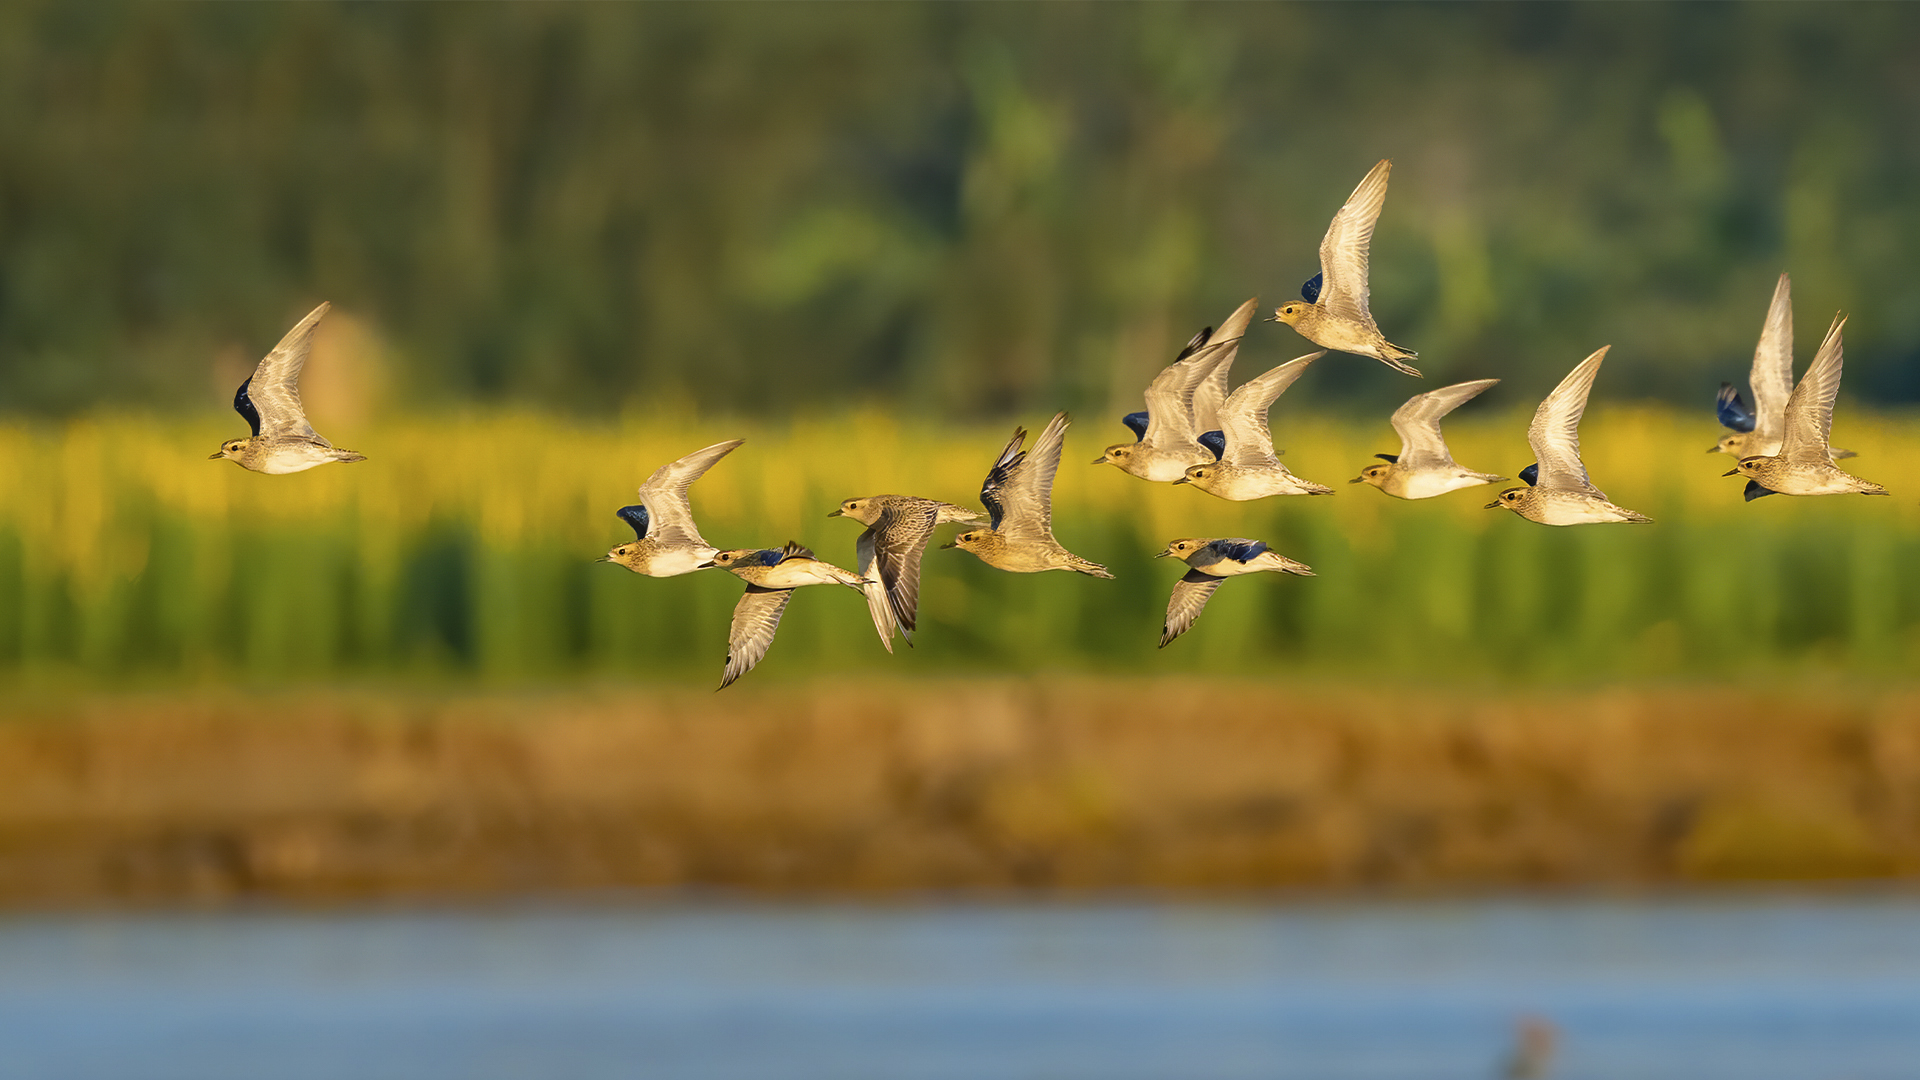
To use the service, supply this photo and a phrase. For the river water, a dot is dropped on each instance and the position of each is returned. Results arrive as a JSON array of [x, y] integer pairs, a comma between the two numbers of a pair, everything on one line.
[[1744, 988]]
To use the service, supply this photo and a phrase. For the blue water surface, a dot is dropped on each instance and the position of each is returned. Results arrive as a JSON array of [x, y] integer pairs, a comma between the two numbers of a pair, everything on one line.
[[1794, 988]]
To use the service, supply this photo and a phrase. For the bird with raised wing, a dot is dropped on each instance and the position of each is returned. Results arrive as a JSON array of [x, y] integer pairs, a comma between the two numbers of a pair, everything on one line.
[[1424, 467], [898, 529], [1018, 495], [1209, 562], [1168, 434], [1249, 469], [771, 575], [1804, 465], [269, 401], [1211, 395], [666, 542], [1758, 431], [1338, 316], [1561, 493]]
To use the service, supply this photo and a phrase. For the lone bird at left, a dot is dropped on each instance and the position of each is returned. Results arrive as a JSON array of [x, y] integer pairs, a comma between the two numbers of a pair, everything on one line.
[[282, 440]]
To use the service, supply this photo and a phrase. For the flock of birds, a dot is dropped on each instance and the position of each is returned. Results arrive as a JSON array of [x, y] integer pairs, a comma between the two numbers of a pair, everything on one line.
[[1193, 431]]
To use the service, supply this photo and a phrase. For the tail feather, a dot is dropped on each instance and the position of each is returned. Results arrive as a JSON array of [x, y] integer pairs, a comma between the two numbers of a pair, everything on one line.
[[1086, 566], [1395, 357]]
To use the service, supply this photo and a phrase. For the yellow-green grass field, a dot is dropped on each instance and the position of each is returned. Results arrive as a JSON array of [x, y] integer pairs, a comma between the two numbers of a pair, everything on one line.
[[463, 550]]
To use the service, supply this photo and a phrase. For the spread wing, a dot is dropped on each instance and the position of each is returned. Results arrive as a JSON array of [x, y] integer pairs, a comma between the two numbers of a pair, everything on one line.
[[274, 389], [1190, 596], [899, 541], [1343, 253], [1418, 422], [665, 494], [1249, 442], [1170, 396], [1027, 494], [1555, 431], [1211, 395], [755, 619], [1809, 415], [1772, 374], [993, 492], [879, 607]]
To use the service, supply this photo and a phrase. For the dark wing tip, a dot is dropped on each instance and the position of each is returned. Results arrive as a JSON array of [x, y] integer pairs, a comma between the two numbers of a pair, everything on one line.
[[1215, 442], [1310, 289], [1137, 423], [243, 405], [1391, 459], [635, 516], [1732, 410], [1531, 474]]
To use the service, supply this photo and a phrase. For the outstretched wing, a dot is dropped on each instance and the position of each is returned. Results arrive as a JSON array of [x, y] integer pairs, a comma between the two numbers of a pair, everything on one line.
[[1211, 395], [899, 541], [755, 620], [1170, 416], [1555, 431], [993, 492], [1810, 409], [1190, 596], [1418, 422], [1027, 494], [1249, 442], [665, 494], [1772, 373], [1343, 252], [879, 605], [274, 390]]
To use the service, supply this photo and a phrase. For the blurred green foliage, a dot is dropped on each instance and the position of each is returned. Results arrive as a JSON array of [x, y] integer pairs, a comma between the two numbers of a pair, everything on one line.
[[463, 550], [962, 209]]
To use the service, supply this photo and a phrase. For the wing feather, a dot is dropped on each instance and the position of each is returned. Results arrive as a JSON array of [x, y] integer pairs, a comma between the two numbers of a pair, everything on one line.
[[755, 620], [879, 607], [1211, 395], [275, 386], [1027, 493], [1249, 440], [1343, 253], [1809, 413], [665, 494], [1170, 396], [1555, 431], [1772, 374], [1190, 596], [993, 492], [900, 541], [1418, 423]]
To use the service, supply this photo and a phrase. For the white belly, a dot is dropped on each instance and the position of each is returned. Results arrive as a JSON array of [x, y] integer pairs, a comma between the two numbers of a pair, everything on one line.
[[1427, 484], [673, 562]]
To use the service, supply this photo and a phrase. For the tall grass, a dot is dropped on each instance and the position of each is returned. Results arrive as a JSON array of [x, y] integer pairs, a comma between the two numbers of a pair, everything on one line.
[[464, 549]]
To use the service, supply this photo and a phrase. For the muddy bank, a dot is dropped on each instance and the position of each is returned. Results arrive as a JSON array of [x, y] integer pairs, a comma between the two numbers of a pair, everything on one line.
[[885, 787]]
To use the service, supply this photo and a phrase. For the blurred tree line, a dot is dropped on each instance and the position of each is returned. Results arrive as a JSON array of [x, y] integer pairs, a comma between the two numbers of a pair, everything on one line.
[[962, 209]]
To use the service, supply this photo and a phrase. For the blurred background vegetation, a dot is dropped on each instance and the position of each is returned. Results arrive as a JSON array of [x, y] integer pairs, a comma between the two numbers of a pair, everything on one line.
[[968, 210], [566, 243]]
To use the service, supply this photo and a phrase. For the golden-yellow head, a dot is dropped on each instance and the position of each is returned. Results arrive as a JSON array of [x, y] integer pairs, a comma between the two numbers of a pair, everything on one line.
[[1290, 313], [1117, 454], [1183, 547], [232, 449], [1509, 498], [1372, 474]]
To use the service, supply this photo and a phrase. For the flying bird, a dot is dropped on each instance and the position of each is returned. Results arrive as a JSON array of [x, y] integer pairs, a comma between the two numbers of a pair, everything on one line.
[[282, 440], [1804, 465], [1758, 431], [1562, 494], [1169, 432], [899, 527], [1018, 495], [1209, 562], [666, 542], [1424, 467], [1333, 313], [771, 575], [1249, 469]]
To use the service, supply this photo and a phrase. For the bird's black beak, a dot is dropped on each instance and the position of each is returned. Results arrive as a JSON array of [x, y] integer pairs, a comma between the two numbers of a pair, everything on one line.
[[1101, 460], [604, 558], [1495, 505], [836, 513], [1714, 449], [1731, 472], [1164, 554], [1183, 480], [216, 455], [1356, 480], [706, 565], [950, 543]]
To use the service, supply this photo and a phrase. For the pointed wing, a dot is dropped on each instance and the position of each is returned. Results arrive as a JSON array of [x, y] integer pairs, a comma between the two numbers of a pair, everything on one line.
[[755, 619], [1027, 494], [1772, 374], [665, 494], [274, 389], [1809, 415], [1190, 596], [899, 541], [993, 493], [1418, 422], [879, 607], [1555, 431], [1211, 395], [1170, 396], [1249, 442], [1343, 253]]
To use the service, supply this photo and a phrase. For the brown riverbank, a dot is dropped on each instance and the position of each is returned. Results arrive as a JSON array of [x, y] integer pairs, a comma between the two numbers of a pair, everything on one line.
[[888, 787]]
